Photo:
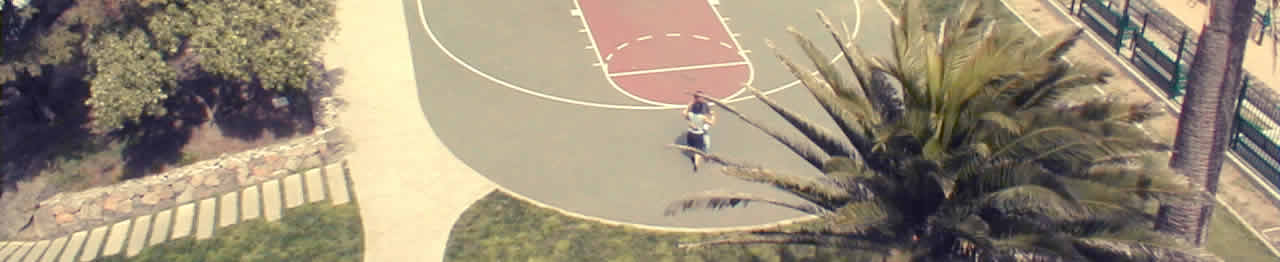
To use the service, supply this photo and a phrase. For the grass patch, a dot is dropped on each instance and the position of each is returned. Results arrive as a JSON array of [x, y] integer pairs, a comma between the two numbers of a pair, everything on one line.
[[312, 232], [1231, 240], [500, 228]]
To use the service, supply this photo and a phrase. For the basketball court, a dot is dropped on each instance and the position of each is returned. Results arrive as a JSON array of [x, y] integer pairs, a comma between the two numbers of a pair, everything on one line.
[[572, 102]]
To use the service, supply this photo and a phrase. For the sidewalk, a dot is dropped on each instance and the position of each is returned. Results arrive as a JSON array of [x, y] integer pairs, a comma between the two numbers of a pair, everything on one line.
[[411, 188], [1258, 59], [1237, 192]]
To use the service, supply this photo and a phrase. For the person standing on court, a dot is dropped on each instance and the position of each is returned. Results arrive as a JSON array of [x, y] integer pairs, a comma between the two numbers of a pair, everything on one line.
[[701, 118]]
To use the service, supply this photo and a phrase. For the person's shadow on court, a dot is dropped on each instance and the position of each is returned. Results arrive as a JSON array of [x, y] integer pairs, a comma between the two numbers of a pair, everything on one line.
[[682, 139]]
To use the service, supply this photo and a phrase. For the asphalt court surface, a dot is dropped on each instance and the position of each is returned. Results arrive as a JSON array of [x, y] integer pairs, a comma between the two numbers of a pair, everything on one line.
[[519, 91]]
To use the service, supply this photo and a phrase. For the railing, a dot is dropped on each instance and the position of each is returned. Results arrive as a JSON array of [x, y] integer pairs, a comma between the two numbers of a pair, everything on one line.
[[1160, 48]]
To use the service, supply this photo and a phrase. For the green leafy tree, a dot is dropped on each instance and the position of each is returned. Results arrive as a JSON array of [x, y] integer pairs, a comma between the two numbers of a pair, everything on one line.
[[129, 79], [963, 146], [273, 43]]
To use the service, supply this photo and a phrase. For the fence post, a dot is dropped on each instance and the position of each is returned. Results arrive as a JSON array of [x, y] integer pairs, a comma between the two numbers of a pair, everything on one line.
[[1177, 67], [1266, 22], [1235, 128], [1072, 7], [1122, 27], [1140, 35]]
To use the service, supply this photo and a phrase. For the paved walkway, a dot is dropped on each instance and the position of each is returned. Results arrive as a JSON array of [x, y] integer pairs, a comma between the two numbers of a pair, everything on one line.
[[411, 188], [200, 219]]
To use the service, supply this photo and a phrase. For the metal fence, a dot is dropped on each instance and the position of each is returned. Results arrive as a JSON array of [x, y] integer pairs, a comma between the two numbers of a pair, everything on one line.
[[1160, 47]]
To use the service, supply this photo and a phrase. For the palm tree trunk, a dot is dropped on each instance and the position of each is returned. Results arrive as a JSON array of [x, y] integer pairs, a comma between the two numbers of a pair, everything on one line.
[[1203, 128]]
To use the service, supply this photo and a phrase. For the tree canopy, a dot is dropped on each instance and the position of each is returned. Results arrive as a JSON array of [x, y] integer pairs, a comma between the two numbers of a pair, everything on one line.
[[128, 79], [135, 54]]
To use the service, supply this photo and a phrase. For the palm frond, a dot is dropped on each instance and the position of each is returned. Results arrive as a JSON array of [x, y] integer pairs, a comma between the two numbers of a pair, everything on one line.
[[716, 200], [862, 216], [809, 238], [854, 57], [826, 140], [1028, 206], [807, 151], [822, 191], [852, 120], [1063, 41], [1112, 249]]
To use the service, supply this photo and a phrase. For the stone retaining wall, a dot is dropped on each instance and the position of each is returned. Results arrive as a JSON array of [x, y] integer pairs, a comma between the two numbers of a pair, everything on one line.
[[69, 212]]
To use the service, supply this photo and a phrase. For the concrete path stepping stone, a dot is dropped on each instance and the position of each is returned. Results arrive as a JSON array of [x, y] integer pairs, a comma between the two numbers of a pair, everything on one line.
[[73, 247], [271, 200], [230, 207], [55, 249], [183, 220], [23, 249], [293, 191], [115, 238], [138, 237], [250, 206], [315, 185], [160, 230], [337, 184], [37, 251], [94, 244], [8, 249], [204, 225]]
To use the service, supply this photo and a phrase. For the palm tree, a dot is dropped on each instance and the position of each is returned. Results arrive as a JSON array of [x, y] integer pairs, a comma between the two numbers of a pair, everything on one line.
[[962, 146], [1207, 114]]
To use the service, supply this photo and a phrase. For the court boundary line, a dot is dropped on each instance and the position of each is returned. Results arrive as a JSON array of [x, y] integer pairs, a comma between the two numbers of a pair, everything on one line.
[[422, 18], [678, 69], [604, 63]]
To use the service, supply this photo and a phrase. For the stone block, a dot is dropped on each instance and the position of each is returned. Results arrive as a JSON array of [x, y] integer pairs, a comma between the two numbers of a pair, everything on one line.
[[207, 214], [230, 207], [39, 250], [55, 249], [160, 228], [293, 191], [74, 247], [138, 236], [337, 184], [271, 197], [250, 204], [184, 221], [115, 238], [315, 185], [94, 244]]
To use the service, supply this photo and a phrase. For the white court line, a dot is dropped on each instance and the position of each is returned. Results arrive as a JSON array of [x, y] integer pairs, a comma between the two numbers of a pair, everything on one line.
[[622, 45], [642, 38], [607, 58], [605, 68], [440, 45], [1269, 230], [725, 45], [422, 19], [678, 68]]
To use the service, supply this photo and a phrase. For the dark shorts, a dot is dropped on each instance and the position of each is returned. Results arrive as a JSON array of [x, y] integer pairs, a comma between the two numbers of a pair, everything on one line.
[[695, 140]]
